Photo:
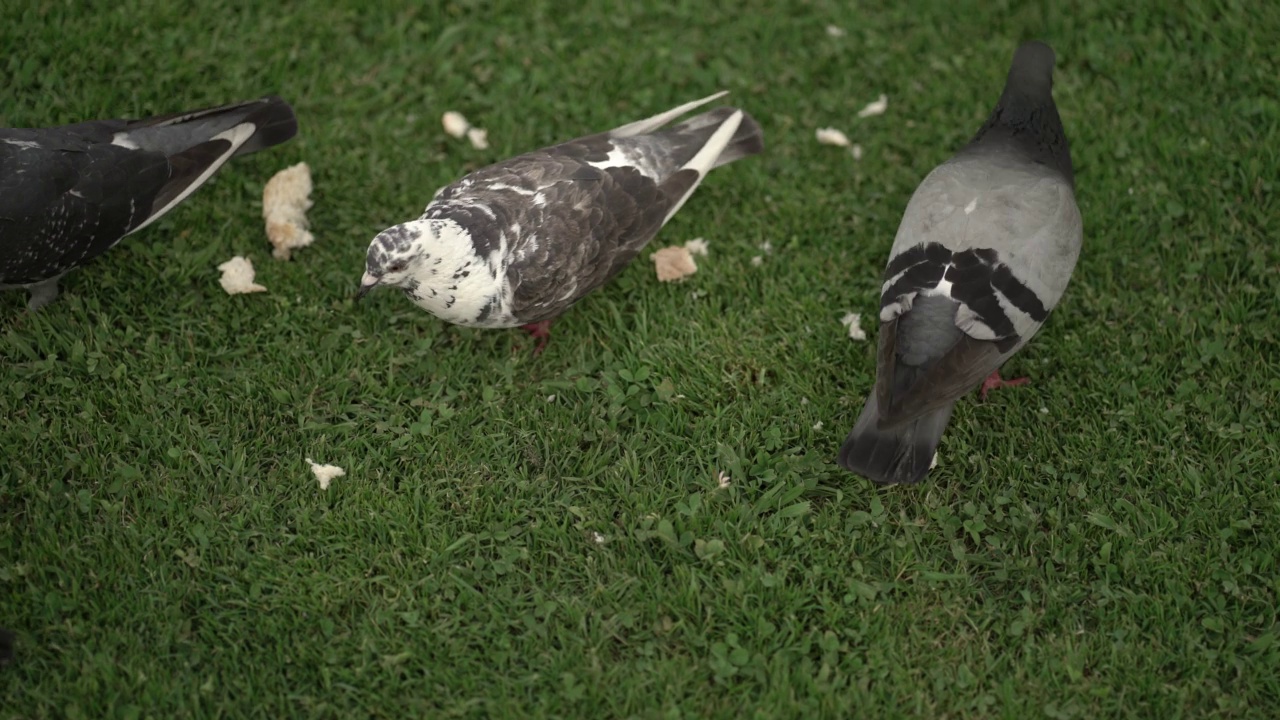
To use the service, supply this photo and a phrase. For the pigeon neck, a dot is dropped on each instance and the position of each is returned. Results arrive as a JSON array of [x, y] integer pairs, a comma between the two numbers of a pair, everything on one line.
[[1026, 118]]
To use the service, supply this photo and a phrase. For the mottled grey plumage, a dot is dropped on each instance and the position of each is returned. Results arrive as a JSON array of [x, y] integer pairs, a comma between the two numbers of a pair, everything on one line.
[[984, 252], [519, 242], [70, 193]]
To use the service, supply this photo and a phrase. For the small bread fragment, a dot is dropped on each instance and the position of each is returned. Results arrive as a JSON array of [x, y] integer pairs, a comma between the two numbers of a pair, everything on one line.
[[832, 136], [853, 321], [325, 473], [875, 107], [479, 138], [237, 276], [455, 123], [696, 246], [285, 202], [674, 263]]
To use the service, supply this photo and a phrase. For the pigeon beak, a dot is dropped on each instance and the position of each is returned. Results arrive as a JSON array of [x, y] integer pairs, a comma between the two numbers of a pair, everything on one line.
[[367, 283]]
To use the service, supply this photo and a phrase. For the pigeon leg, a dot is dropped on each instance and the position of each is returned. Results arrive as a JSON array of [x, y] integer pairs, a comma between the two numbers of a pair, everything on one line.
[[42, 293], [541, 331], [994, 381]]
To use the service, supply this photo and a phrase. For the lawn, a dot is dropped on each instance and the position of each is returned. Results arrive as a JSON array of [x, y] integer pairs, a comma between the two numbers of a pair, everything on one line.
[[522, 536]]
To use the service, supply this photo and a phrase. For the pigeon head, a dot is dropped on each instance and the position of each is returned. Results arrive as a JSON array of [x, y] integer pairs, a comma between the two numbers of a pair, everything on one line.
[[439, 265], [419, 257], [1031, 71], [393, 256]]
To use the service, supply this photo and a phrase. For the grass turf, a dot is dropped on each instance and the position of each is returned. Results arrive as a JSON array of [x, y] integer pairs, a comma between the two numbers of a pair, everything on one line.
[[520, 536]]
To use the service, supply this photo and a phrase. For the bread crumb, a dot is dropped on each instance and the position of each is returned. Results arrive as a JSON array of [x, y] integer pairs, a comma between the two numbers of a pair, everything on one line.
[[875, 107], [832, 136], [286, 198], [674, 263], [237, 276], [835, 31], [757, 261], [817, 425], [856, 151], [722, 480], [479, 138], [325, 473], [853, 321], [934, 462], [455, 124], [597, 538], [766, 247], [696, 246]]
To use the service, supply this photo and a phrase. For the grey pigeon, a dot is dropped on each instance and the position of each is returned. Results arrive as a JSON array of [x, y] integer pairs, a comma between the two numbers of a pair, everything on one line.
[[519, 242], [70, 193], [984, 252]]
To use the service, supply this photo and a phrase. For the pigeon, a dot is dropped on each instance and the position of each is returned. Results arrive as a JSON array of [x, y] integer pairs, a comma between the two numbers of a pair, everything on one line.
[[70, 193], [519, 242], [7, 641], [984, 251]]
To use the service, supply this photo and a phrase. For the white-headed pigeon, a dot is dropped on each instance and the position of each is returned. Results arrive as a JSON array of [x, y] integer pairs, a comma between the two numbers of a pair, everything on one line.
[[517, 243]]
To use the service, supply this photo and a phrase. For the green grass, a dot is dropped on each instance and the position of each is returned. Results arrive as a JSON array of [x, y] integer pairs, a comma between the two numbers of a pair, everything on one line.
[[1104, 542]]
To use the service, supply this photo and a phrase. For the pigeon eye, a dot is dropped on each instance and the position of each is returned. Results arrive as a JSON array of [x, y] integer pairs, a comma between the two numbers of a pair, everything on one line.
[[396, 267]]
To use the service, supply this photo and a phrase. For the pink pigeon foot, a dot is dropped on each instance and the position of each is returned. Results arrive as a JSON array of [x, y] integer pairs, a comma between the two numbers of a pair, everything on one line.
[[540, 331], [994, 381]]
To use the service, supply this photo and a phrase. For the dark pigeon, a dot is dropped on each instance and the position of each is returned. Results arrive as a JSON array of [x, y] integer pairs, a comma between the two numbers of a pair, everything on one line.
[[7, 642], [70, 193]]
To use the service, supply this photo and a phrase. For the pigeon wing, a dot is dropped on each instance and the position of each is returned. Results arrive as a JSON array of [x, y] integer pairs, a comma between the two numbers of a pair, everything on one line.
[[588, 225], [64, 201]]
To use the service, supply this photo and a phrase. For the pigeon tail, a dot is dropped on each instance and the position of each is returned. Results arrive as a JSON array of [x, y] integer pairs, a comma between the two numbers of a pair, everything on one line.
[[686, 180], [271, 118], [198, 143], [649, 124], [889, 445], [274, 124], [895, 455], [191, 168], [748, 140]]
